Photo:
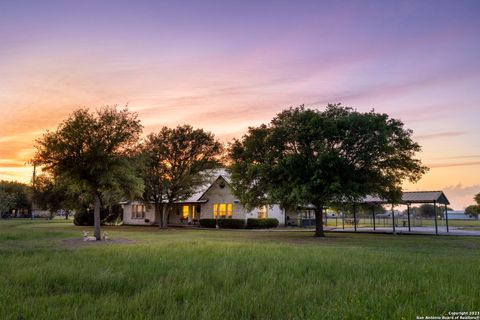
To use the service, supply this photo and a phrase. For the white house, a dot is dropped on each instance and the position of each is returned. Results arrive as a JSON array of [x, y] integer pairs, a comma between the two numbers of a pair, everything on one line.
[[212, 200]]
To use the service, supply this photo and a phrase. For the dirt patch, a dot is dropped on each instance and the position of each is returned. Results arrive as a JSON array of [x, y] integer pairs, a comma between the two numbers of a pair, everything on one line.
[[77, 243]]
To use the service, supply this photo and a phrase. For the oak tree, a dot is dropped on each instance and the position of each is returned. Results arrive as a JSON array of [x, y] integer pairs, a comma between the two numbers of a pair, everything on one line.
[[91, 153], [312, 157]]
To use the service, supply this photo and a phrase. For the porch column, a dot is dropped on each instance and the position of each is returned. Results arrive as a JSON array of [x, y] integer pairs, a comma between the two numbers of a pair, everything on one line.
[[393, 220], [408, 214], [373, 216], [355, 216], [435, 212], [446, 216], [190, 213]]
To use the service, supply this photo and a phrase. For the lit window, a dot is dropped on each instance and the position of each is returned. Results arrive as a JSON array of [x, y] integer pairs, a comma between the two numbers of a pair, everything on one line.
[[185, 212], [223, 210], [262, 212]]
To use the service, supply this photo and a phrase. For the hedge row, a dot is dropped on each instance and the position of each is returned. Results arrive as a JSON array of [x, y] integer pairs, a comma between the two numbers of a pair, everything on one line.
[[231, 223], [239, 223], [262, 223], [208, 223]]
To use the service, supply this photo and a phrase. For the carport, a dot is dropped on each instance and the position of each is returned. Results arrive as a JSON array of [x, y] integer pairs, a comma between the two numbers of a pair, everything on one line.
[[408, 198]]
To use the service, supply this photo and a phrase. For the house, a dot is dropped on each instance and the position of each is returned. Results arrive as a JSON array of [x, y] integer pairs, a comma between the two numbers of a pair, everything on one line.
[[215, 199]]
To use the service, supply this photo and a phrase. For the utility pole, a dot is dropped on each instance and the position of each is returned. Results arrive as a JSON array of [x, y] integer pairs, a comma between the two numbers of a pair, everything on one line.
[[34, 188]]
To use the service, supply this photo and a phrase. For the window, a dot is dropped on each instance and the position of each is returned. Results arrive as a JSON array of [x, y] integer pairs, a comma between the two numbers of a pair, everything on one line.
[[185, 211], [222, 210], [138, 211], [262, 212]]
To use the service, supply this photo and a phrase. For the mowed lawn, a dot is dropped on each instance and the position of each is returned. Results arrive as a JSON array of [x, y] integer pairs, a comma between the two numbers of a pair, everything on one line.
[[212, 274]]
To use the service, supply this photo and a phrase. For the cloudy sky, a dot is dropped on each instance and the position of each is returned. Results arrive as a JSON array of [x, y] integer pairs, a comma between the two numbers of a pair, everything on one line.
[[226, 65]]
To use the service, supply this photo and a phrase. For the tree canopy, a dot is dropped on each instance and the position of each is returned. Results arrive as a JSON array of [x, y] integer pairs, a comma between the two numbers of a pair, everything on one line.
[[305, 156], [177, 161], [474, 210], [428, 210], [7, 201], [91, 152], [15, 196], [52, 195]]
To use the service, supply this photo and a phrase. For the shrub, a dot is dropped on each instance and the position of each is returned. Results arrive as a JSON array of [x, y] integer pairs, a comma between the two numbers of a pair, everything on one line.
[[231, 223], [208, 223], [83, 217], [262, 223]]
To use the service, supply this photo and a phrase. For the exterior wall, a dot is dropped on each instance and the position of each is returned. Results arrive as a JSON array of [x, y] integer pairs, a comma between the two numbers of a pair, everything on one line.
[[273, 211], [127, 215], [219, 194]]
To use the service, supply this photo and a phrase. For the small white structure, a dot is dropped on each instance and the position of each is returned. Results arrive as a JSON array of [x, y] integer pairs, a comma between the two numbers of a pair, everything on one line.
[[459, 215]]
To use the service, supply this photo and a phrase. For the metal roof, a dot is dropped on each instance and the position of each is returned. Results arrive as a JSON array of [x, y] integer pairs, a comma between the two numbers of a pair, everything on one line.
[[413, 197]]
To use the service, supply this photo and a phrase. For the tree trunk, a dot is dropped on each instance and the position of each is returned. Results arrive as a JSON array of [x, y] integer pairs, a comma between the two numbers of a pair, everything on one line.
[[164, 216], [158, 214], [319, 221], [96, 217]]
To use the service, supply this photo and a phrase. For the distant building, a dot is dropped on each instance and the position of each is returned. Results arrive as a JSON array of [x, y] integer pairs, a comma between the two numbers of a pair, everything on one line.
[[459, 215]]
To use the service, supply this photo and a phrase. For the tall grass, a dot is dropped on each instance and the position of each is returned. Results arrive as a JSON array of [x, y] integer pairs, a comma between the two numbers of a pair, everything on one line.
[[193, 274]]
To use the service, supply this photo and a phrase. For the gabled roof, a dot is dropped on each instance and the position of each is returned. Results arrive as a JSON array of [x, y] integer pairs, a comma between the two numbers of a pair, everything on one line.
[[214, 176], [413, 197]]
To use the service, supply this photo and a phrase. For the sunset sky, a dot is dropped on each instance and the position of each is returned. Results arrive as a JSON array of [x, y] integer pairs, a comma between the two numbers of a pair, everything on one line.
[[226, 65]]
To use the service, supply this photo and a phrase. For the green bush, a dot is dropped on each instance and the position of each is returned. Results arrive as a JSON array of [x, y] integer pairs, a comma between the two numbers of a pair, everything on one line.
[[208, 223], [262, 223], [231, 223], [83, 217]]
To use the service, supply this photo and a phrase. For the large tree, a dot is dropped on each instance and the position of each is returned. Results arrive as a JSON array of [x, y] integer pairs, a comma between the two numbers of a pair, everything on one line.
[[306, 156], [91, 153], [177, 162]]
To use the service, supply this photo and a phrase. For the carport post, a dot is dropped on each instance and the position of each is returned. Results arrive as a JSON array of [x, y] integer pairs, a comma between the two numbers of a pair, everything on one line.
[[355, 216], [393, 220], [446, 216], [435, 212], [408, 214], [373, 215]]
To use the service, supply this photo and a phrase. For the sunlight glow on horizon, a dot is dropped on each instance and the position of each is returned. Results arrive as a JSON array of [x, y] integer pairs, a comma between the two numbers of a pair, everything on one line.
[[226, 66]]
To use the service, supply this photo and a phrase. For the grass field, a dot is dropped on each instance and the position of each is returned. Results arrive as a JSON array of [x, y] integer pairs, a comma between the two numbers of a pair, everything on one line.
[[211, 274]]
